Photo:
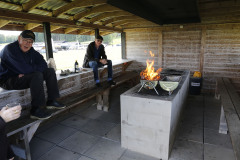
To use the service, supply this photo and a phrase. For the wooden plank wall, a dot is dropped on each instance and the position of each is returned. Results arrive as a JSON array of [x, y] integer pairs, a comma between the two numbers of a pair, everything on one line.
[[214, 52], [181, 49], [222, 56], [138, 46]]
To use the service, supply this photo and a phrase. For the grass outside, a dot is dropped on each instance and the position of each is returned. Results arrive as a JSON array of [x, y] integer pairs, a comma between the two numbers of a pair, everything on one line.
[[66, 59]]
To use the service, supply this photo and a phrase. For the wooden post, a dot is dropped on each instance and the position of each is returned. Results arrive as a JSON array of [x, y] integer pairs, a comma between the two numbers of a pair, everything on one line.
[[99, 101], [96, 32], [48, 39], [203, 46], [160, 46], [123, 44], [106, 100]]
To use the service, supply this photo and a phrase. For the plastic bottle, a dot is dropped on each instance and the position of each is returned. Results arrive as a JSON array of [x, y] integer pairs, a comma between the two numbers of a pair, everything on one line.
[[76, 67]]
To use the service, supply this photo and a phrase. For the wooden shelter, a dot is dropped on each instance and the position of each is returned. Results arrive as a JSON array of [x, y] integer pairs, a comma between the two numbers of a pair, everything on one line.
[[196, 35]]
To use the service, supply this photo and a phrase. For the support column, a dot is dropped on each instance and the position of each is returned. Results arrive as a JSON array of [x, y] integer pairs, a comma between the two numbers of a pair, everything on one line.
[[203, 45], [96, 32], [160, 46], [123, 44], [47, 39]]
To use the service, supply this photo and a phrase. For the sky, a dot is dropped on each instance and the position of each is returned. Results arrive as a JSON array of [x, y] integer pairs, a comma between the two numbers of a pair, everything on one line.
[[10, 32]]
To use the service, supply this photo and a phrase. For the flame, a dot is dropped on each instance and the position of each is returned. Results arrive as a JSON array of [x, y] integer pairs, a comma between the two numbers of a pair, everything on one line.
[[149, 73], [151, 54]]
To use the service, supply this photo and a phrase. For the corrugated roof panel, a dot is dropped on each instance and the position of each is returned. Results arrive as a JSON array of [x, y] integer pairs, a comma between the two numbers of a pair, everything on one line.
[[17, 22], [64, 16], [93, 15], [40, 12], [9, 6], [52, 5], [17, 1], [76, 10]]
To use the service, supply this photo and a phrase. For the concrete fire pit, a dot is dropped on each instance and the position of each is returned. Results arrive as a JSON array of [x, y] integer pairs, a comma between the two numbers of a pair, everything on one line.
[[149, 122]]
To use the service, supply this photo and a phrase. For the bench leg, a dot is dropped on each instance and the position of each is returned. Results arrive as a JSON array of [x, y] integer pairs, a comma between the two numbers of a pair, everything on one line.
[[23, 150], [223, 129], [32, 130], [217, 96], [99, 102], [105, 100], [26, 144]]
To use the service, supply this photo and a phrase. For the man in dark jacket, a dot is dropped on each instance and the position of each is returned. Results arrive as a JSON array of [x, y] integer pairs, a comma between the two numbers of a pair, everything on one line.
[[95, 58], [23, 67]]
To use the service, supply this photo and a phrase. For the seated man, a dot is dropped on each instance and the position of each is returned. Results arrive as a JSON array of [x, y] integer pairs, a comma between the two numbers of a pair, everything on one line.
[[96, 57], [23, 67]]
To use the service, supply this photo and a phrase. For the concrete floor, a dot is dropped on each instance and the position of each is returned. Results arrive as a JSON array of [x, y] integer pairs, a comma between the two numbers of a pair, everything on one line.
[[88, 134]]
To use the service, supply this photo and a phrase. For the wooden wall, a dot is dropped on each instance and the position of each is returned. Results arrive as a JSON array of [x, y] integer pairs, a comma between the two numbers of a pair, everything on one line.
[[213, 50]]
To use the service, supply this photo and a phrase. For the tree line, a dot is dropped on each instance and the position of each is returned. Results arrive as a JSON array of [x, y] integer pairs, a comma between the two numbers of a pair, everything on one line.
[[108, 39]]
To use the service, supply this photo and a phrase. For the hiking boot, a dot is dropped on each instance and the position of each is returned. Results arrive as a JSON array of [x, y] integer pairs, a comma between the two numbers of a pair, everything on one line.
[[54, 105], [39, 114], [98, 85], [111, 82]]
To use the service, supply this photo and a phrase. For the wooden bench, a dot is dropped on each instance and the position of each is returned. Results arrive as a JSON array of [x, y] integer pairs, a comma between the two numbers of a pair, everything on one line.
[[230, 112], [102, 98], [24, 128]]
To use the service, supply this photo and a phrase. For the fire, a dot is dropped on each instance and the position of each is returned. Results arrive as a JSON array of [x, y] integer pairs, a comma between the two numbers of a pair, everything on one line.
[[149, 73]]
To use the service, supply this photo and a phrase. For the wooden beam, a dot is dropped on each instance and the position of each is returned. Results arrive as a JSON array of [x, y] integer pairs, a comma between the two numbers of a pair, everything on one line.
[[83, 31], [111, 14], [69, 30], [138, 25], [203, 46], [116, 19], [34, 18], [92, 33], [77, 4], [105, 33], [160, 49], [131, 21], [30, 26], [99, 9], [32, 4], [3, 22], [53, 28]]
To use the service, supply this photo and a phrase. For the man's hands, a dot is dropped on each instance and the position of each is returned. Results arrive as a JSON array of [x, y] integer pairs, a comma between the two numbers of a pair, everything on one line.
[[103, 61], [20, 75], [9, 114]]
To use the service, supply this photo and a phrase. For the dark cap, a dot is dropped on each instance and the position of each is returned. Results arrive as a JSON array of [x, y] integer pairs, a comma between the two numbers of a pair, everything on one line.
[[99, 37], [28, 34]]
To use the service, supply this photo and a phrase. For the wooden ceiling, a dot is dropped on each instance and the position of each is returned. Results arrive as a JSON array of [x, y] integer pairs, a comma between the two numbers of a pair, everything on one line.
[[83, 16]]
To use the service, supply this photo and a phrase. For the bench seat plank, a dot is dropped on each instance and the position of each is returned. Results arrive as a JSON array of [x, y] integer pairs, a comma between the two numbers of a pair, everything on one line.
[[228, 102], [233, 94]]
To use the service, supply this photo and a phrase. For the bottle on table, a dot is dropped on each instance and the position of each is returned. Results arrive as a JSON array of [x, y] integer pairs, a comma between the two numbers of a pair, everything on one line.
[[76, 67]]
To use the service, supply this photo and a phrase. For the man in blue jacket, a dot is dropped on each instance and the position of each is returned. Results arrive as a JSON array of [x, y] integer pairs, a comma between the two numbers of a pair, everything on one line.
[[95, 58], [23, 67]]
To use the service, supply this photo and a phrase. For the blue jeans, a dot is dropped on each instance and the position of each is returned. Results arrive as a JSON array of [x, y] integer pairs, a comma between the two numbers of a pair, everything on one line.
[[95, 65]]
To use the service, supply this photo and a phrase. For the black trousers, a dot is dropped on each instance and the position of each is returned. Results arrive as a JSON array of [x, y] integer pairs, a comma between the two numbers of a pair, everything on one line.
[[34, 81]]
